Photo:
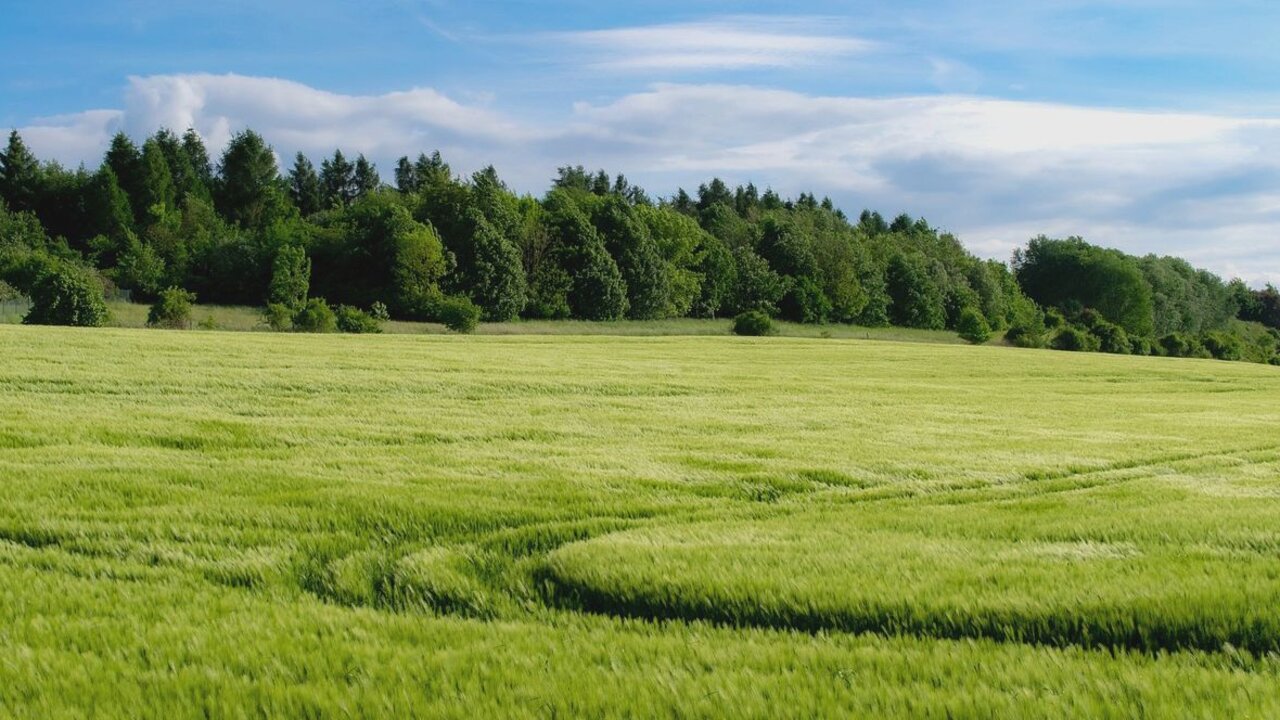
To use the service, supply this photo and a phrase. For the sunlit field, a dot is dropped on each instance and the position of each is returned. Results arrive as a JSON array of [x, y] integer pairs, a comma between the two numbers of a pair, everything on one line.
[[217, 524]]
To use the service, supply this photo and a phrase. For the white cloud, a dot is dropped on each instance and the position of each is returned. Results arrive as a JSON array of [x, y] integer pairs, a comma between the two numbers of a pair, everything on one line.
[[725, 43], [996, 172]]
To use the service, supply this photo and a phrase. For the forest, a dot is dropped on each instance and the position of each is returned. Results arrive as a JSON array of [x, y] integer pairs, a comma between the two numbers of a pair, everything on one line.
[[338, 247]]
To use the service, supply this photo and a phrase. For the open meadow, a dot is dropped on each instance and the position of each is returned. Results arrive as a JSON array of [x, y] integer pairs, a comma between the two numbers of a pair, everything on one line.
[[217, 524]]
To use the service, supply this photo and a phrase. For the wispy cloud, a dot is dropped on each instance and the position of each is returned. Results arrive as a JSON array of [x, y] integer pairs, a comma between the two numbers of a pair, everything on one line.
[[996, 172], [718, 44]]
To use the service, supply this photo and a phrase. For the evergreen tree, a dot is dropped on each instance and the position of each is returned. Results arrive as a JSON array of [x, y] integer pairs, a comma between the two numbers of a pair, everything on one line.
[[19, 175], [125, 161], [365, 177], [304, 186], [107, 215], [407, 180], [431, 170], [158, 194], [246, 185], [337, 181], [198, 158], [181, 172]]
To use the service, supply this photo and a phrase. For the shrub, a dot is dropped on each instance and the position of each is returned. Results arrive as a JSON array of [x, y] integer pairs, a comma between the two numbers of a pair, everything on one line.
[[354, 320], [208, 323], [972, 326], [1141, 345], [278, 317], [1111, 338], [1074, 339], [1027, 325], [172, 309], [458, 314], [753, 323], [1224, 346], [1180, 345], [1053, 318], [378, 311], [66, 295], [8, 292], [315, 317]]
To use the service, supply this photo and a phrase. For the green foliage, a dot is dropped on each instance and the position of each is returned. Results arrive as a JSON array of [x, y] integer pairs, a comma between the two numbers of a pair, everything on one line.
[[644, 272], [1111, 338], [598, 291], [1182, 345], [356, 321], [1028, 326], [753, 323], [1059, 273], [66, 295], [246, 192], [159, 196], [1075, 339], [304, 186], [315, 316], [374, 251], [124, 161], [804, 302], [493, 272], [172, 309], [290, 277], [458, 314], [596, 247], [278, 317], [1224, 345], [916, 299], [973, 327], [20, 177], [758, 287], [140, 269]]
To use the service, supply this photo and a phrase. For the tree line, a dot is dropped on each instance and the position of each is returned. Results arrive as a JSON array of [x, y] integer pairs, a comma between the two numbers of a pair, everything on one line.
[[316, 245]]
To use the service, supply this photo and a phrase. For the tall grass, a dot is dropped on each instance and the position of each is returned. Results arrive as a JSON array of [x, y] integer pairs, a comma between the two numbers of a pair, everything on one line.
[[258, 524]]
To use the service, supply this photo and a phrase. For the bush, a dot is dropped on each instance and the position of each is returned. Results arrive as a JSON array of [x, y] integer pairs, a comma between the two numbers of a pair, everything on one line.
[[172, 309], [354, 320], [972, 326], [1053, 318], [1027, 325], [378, 311], [66, 295], [278, 317], [208, 323], [1224, 346], [1141, 345], [753, 323], [1180, 345], [315, 317], [1074, 339], [1111, 338], [458, 314]]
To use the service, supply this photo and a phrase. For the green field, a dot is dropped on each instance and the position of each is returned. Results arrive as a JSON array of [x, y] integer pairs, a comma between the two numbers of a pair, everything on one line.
[[214, 524]]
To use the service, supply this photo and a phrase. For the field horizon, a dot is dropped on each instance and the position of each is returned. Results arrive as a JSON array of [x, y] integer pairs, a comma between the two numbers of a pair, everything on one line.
[[243, 524]]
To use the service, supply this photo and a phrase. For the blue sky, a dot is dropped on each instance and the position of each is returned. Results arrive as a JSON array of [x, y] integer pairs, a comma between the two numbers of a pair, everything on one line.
[[1151, 126]]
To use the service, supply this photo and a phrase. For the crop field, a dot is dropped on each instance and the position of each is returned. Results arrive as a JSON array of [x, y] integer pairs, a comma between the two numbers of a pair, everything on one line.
[[214, 524]]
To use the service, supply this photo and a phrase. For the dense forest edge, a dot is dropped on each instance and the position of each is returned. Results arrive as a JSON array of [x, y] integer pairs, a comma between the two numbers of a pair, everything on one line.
[[339, 249]]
